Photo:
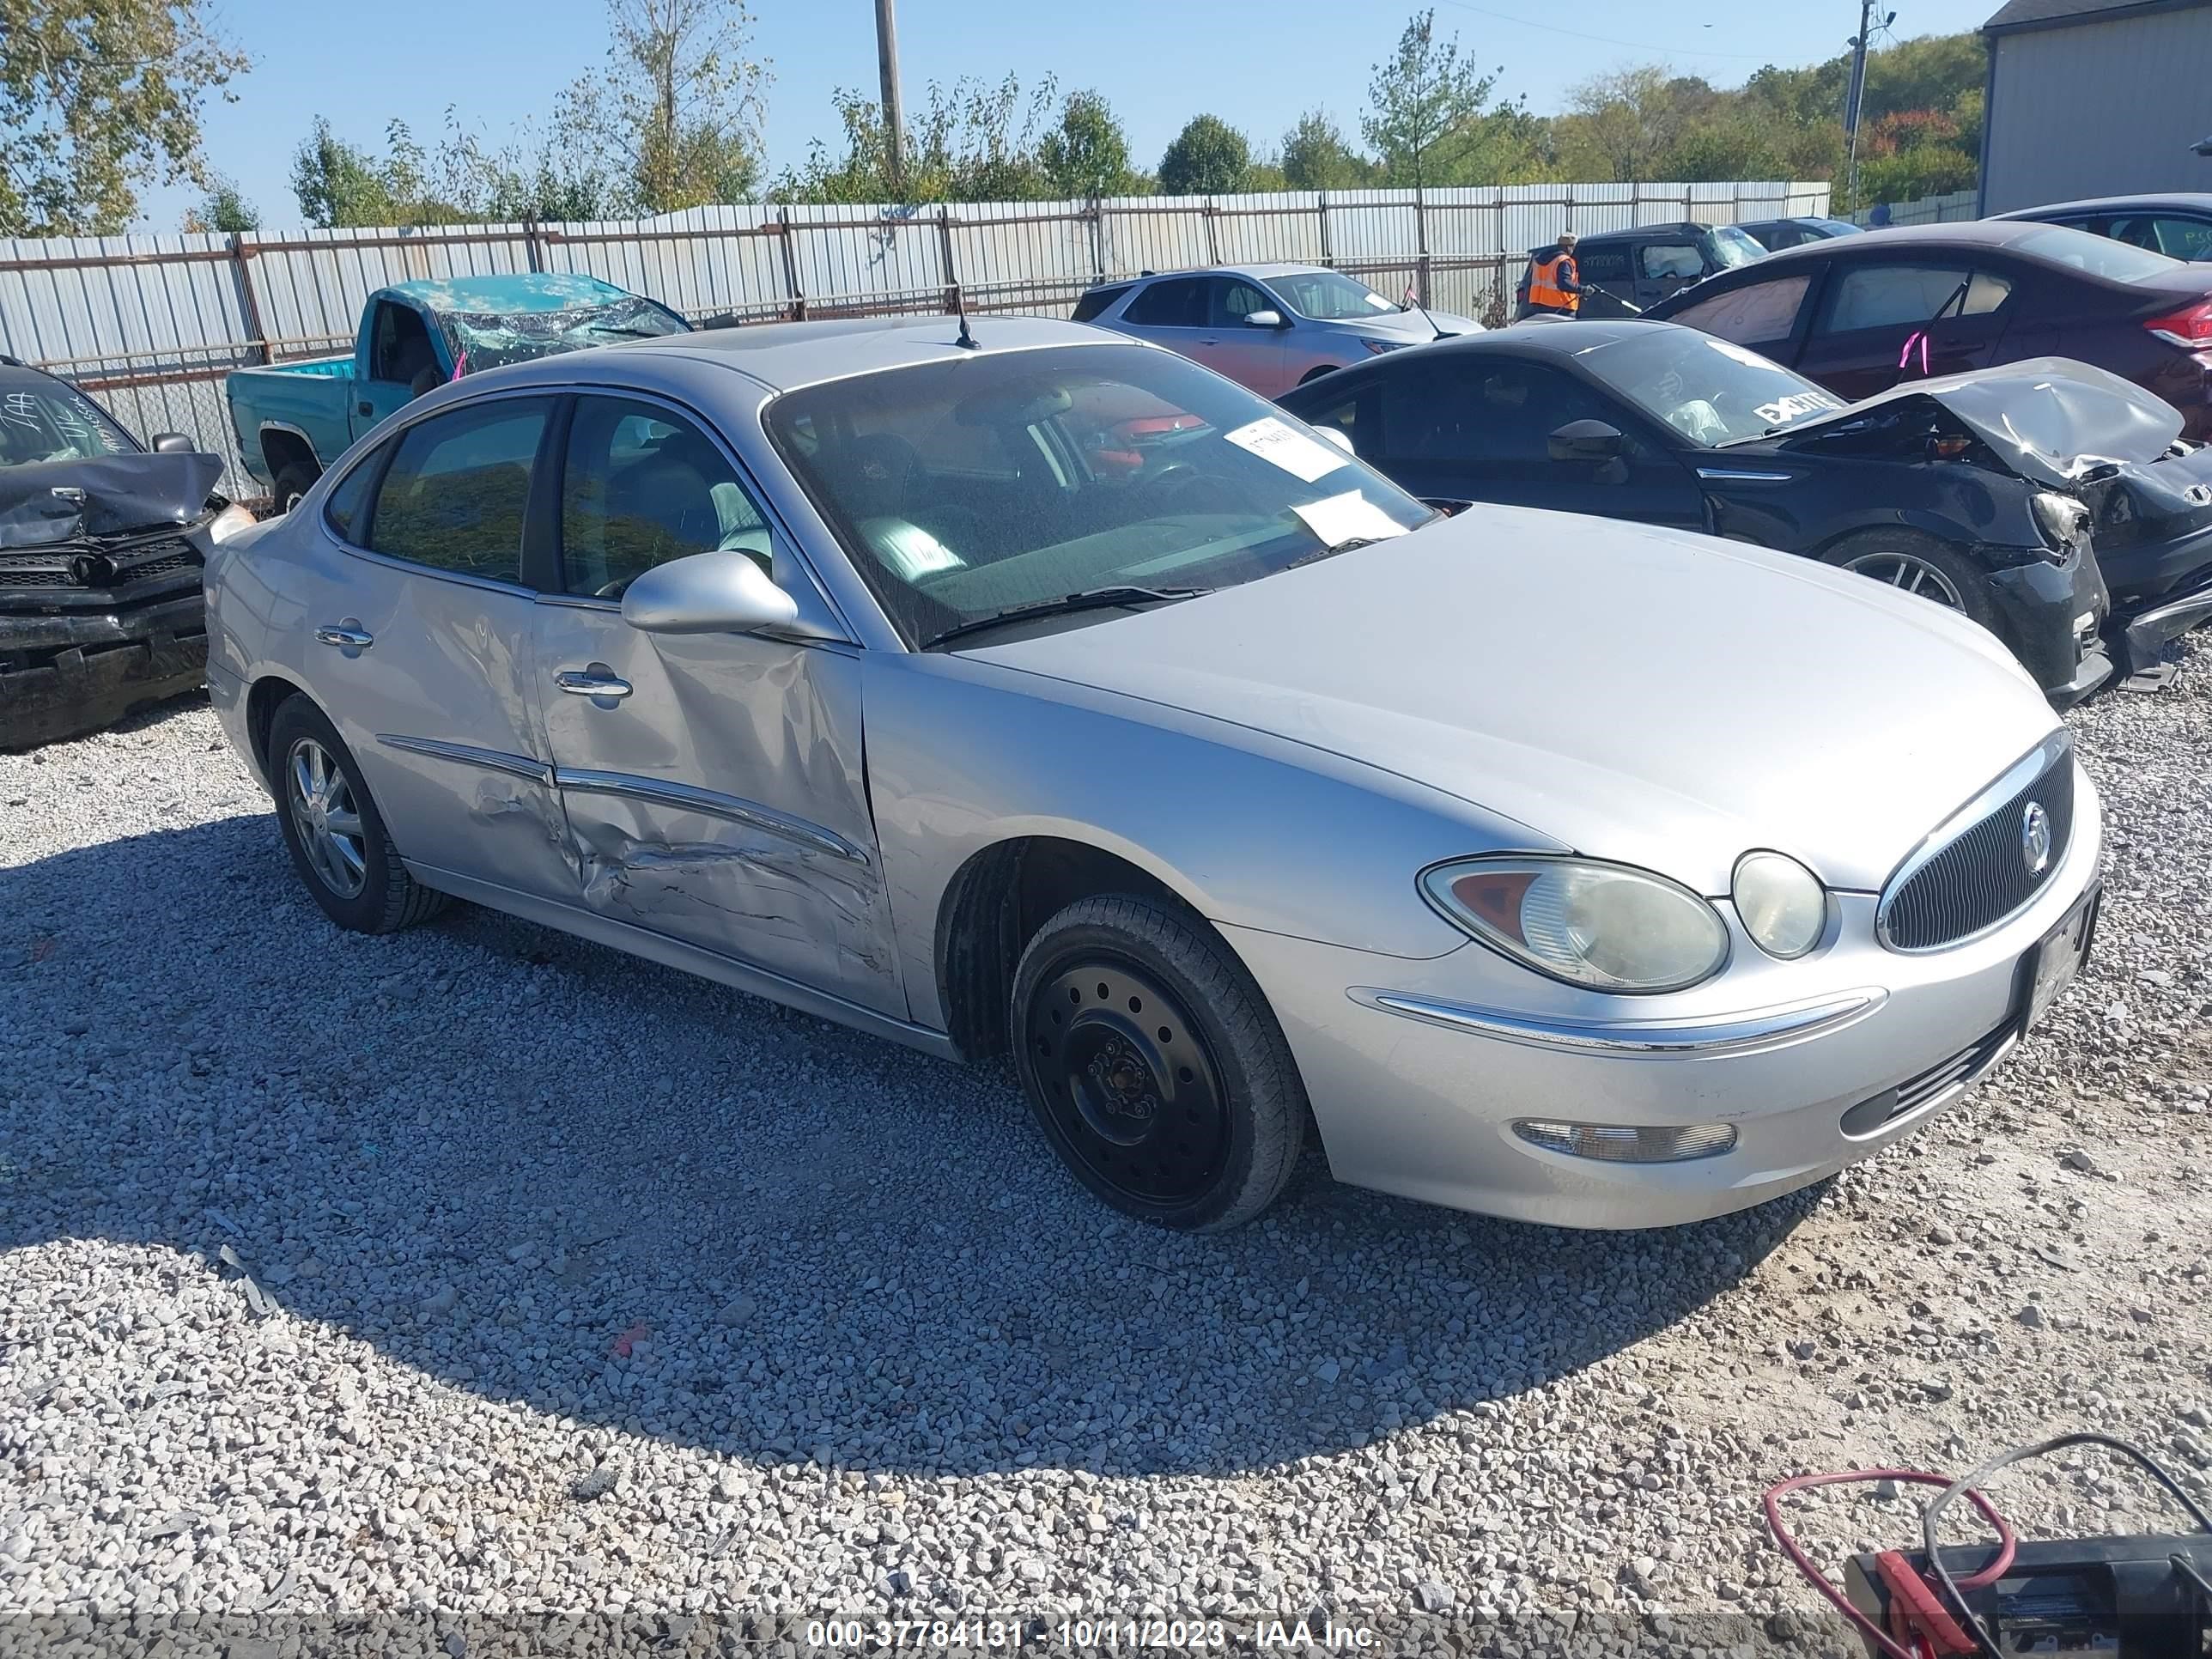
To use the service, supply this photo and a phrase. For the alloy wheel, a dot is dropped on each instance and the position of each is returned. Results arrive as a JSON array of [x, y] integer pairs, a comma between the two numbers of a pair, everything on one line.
[[1909, 574], [1131, 1091], [326, 818]]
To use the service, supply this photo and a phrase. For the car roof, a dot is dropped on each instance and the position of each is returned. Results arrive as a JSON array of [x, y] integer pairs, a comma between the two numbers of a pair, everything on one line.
[[1963, 233], [515, 292], [782, 356], [1528, 339], [1692, 226], [1262, 271], [2190, 201]]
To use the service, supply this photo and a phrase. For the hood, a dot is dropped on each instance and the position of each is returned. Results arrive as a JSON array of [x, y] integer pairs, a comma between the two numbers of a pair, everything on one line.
[[2051, 420], [1665, 699], [45, 502], [1411, 326]]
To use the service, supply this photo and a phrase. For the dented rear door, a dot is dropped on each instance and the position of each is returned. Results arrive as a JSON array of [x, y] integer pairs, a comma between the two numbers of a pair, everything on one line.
[[714, 783]]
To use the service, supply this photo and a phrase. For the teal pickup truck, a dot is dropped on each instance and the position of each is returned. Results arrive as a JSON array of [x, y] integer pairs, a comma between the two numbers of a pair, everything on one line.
[[294, 419]]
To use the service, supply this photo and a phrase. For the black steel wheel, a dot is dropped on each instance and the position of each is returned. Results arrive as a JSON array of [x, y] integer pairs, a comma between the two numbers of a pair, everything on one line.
[[1133, 1093], [1153, 1065]]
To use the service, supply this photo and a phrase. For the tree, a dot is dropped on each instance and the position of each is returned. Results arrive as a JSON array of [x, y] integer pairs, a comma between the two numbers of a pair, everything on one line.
[[99, 98], [223, 210], [1429, 116], [1316, 157], [676, 113], [1620, 124], [963, 145], [1087, 154], [1208, 157]]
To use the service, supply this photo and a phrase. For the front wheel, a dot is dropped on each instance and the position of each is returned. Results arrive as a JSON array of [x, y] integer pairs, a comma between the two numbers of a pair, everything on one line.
[[1920, 565], [1154, 1066]]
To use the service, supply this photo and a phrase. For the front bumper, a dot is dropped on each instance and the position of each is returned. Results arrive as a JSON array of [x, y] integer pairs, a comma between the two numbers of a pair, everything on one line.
[[65, 673], [1421, 1099], [2039, 605]]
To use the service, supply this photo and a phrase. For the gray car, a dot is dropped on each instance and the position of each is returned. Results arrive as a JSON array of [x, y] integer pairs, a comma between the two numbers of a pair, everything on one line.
[[1268, 327], [1042, 693]]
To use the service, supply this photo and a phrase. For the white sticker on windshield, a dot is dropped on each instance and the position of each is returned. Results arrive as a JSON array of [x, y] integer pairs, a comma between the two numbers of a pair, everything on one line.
[[1796, 406], [1304, 458], [1349, 517]]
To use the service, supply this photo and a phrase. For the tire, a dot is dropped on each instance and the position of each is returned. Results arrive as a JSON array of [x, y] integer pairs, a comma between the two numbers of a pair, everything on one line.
[[1170, 1093], [366, 889], [1313, 375], [292, 482], [1892, 553]]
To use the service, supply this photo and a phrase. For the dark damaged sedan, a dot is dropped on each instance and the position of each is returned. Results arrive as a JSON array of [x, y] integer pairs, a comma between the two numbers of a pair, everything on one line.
[[102, 546], [1976, 491]]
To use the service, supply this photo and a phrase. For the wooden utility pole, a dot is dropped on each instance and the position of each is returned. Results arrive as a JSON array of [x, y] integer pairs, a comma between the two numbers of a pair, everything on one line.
[[894, 117]]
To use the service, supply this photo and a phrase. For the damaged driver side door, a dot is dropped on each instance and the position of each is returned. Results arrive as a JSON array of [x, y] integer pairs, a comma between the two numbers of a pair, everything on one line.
[[713, 782]]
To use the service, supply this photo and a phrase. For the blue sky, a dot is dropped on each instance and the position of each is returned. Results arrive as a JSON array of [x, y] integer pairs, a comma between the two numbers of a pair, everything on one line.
[[1158, 61]]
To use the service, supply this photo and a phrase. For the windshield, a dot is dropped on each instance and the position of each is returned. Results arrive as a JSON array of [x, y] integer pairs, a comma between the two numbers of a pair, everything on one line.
[[2097, 256], [55, 423], [1728, 248], [1326, 297], [482, 340], [964, 489], [1712, 392]]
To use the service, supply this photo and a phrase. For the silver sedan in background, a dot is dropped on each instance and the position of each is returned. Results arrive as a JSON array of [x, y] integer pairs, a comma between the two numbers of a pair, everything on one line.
[[1045, 693], [1268, 327]]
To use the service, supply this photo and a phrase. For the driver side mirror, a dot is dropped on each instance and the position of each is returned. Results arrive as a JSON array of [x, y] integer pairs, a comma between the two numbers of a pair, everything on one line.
[[706, 593], [173, 443], [1264, 319], [1586, 440]]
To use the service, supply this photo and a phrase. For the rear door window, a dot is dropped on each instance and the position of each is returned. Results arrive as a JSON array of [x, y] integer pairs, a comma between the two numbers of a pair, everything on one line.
[[1905, 296], [1177, 302], [1756, 314], [1603, 264], [458, 490]]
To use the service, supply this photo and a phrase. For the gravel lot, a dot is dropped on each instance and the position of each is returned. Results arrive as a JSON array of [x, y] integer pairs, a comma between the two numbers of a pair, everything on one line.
[[588, 1287]]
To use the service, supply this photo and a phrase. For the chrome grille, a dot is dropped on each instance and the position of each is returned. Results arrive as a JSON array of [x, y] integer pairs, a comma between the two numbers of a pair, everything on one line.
[[1973, 873]]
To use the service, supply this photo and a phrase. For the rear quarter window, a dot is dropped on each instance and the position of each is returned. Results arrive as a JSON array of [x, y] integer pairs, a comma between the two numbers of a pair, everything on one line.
[[1098, 301]]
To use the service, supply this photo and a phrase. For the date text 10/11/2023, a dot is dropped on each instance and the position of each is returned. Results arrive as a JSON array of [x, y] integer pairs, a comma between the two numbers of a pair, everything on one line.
[[1088, 1635]]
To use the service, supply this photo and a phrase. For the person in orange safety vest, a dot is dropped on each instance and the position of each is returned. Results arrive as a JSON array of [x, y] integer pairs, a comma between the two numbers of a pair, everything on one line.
[[1554, 283]]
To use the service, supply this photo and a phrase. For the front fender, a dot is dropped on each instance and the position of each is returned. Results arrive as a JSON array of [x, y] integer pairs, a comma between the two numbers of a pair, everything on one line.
[[1250, 831]]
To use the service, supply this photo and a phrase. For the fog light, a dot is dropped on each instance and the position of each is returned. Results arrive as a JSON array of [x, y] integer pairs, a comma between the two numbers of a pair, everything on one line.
[[1612, 1144]]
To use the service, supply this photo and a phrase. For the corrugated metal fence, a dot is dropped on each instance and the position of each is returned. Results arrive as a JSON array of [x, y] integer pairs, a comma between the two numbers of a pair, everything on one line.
[[152, 325], [1924, 210]]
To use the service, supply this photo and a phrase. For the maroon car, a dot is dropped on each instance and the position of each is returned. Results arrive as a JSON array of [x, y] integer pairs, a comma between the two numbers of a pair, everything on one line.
[[1860, 313]]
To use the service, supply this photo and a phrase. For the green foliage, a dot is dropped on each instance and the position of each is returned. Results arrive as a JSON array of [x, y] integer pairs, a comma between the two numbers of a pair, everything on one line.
[[223, 210], [1208, 157], [99, 98], [1315, 156], [673, 120], [970, 142], [1087, 154], [1431, 123]]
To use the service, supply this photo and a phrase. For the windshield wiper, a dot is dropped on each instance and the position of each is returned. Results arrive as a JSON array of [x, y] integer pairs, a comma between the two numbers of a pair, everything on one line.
[[1091, 598], [616, 328]]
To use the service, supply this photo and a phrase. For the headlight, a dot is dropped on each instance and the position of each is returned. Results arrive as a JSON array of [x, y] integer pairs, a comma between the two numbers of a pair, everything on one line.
[[2063, 520], [1378, 347], [1604, 927], [1781, 903], [229, 522]]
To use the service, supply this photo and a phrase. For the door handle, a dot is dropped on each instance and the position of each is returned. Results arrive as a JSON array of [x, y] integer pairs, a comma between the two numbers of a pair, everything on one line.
[[345, 637], [593, 681]]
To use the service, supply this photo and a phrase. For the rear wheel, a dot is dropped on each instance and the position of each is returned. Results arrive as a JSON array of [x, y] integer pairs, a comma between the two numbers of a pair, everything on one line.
[[333, 830], [1917, 564], [292, 482], [1154, 1066]]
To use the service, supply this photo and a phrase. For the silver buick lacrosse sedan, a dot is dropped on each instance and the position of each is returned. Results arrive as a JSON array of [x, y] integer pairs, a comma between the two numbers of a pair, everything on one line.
[[1030, 690]]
